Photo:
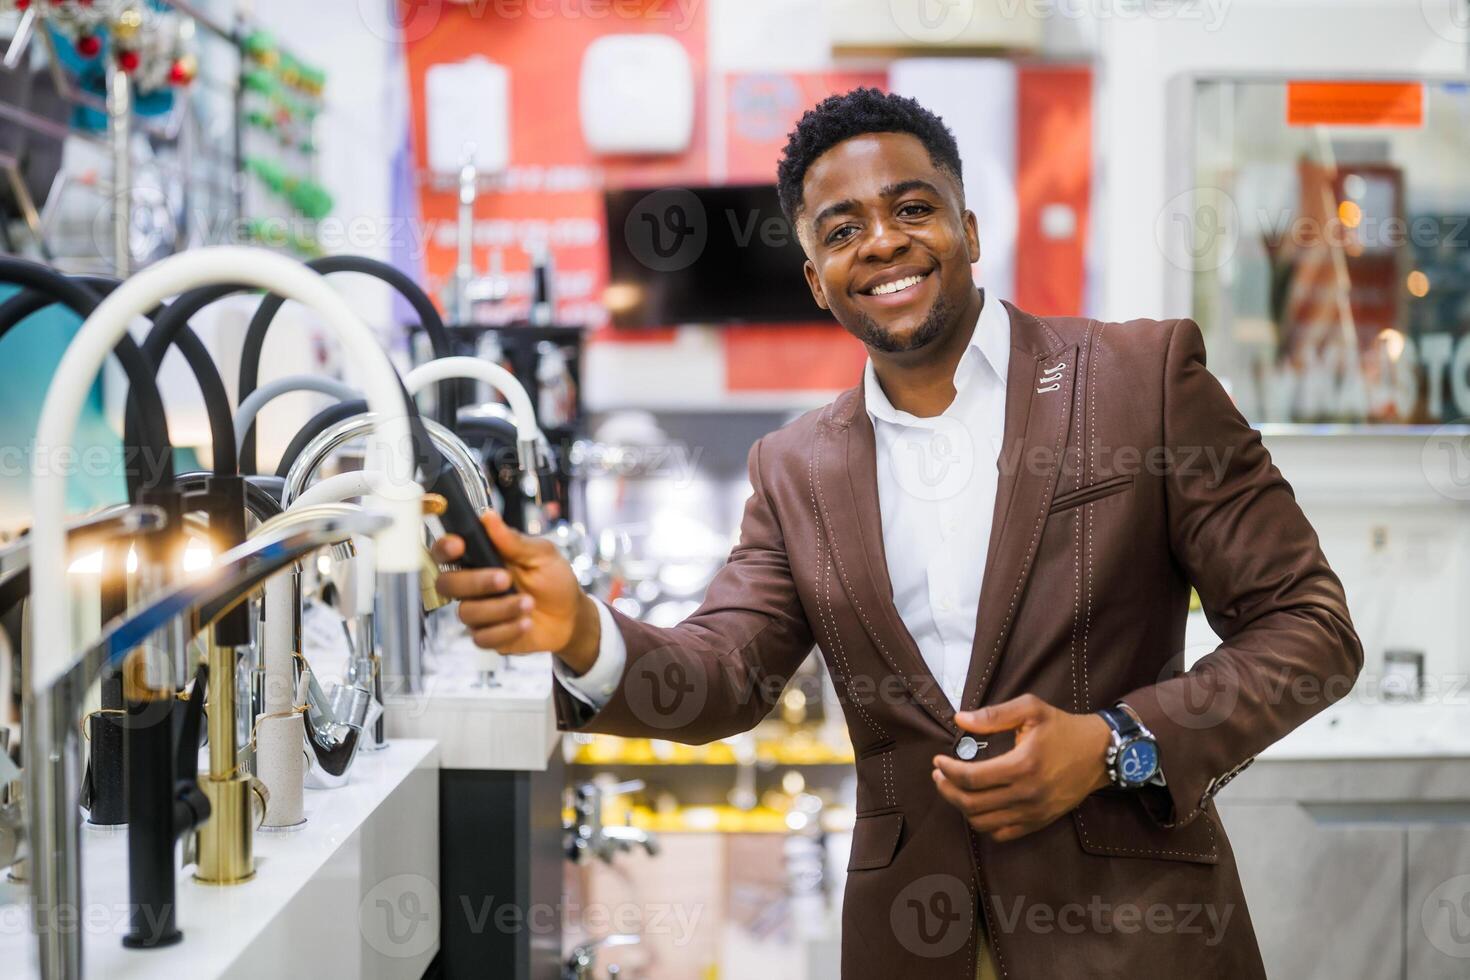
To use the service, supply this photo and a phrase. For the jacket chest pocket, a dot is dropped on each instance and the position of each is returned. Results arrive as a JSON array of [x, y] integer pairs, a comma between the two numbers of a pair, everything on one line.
[[1091, 492]]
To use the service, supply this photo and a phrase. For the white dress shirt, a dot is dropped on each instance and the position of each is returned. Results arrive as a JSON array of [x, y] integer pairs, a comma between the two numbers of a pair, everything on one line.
[[936, 494]]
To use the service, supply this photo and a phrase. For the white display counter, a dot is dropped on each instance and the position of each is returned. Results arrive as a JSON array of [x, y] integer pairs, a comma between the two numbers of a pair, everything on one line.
[[508, 726], [351, 893]]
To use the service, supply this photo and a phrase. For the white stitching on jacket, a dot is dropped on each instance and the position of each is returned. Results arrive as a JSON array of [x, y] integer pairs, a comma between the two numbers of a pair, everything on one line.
[[824, 568], [851, 592], [1059, 440], [1150, 852], [1077, 702], [1090, 341], [1000, 963]]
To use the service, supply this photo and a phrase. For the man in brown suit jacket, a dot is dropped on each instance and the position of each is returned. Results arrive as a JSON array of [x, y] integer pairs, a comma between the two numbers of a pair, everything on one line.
[[1035, 765]]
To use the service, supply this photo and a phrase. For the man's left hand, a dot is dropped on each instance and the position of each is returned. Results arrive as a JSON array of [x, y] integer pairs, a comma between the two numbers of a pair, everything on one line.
[[1058, 759]]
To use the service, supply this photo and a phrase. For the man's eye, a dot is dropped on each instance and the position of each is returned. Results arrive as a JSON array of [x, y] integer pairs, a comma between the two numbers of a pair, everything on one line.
[[914, 209], [839, 233]]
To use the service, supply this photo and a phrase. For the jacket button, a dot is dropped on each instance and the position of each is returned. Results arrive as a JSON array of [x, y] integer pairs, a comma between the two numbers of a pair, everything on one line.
[[967, 748]]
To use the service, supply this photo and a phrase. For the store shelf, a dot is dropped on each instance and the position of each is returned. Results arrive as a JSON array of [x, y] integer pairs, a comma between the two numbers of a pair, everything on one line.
[[797, 750], [727, 820]]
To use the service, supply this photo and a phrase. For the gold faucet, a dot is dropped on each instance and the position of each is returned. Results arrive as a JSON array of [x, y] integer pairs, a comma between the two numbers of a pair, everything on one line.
[[236, 799]]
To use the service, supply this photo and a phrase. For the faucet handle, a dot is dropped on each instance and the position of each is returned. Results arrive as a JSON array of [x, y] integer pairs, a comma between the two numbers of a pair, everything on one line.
[[621, 939], [623, 788], [589, 794], [460, 517]]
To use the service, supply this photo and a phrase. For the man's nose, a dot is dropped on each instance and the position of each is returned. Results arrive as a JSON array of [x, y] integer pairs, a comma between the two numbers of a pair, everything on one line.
[[884, 240]]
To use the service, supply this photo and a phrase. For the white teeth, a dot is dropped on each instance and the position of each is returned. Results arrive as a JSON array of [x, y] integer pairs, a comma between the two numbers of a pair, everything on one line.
[[896, 285]]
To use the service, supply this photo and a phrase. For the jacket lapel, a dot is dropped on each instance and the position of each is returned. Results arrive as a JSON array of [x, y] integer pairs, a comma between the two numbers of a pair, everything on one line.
[[1039, 388], [845, 485]]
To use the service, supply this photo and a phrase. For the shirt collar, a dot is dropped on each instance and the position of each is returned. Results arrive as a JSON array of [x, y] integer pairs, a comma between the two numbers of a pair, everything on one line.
[[990, 345]]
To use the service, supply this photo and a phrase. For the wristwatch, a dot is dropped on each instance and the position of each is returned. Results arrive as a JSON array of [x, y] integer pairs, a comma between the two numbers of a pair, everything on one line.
[[1133, 757]]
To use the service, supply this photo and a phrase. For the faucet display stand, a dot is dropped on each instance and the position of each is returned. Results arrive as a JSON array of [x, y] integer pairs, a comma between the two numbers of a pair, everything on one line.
[[500, 797], [501, 848], [315, 913]]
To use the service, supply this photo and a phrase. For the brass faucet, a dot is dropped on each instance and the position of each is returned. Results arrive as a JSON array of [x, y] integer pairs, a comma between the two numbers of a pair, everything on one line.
[[237, 801]]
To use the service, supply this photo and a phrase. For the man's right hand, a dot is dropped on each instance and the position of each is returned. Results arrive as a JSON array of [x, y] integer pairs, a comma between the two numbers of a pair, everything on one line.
[[548, 610]]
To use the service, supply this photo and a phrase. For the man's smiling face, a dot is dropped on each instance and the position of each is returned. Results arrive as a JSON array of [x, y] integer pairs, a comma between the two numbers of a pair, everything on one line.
[[888, 240]]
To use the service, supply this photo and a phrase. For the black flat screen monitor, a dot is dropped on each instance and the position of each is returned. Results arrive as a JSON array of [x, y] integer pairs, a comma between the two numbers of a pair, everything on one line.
[[718, 255]]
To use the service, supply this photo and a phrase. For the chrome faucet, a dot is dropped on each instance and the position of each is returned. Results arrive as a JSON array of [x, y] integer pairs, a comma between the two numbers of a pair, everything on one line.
[[464, 264], [332, 730], [300, 475], [12, 819], [626, 838], [587, 836], [304, 469], [121, 521], [112, 523], [52, 747], [583, 961]]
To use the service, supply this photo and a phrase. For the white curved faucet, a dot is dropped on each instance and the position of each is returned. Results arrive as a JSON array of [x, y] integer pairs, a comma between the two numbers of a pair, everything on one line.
[[528, 432]]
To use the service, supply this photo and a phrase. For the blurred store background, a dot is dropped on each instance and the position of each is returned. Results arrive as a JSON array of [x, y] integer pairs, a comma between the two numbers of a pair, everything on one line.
[[1290, 173]]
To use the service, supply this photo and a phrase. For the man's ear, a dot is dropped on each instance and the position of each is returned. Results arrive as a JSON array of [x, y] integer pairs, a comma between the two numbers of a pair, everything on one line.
[[814, 283], [972, 235]]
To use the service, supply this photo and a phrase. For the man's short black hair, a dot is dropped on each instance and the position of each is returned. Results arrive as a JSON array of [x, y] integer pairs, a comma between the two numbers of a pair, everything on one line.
[[840, 117]]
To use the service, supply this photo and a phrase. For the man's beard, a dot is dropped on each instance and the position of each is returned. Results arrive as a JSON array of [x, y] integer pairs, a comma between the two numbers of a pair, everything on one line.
[[932, 327]]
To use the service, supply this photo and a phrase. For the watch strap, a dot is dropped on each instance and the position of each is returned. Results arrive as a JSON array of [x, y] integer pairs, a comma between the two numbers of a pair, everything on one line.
[[1121, 722]]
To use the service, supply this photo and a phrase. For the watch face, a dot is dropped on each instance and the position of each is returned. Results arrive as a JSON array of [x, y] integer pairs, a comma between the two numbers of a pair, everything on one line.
[[1138, 760]]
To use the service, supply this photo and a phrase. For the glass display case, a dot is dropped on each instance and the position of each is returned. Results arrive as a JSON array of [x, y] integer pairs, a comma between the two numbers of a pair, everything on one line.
[[1326, 234]]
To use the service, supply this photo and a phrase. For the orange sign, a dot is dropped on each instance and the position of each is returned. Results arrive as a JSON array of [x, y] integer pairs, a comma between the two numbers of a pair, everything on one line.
[[1355, 104]]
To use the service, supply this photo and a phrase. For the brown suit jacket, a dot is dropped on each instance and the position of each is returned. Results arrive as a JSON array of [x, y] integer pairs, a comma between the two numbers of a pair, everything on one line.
[[1126, 477]]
